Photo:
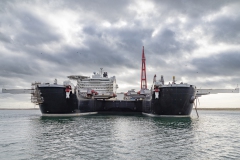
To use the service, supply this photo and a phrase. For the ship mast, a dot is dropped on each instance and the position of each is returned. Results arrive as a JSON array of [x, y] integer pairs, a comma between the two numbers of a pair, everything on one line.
[[143, 72]]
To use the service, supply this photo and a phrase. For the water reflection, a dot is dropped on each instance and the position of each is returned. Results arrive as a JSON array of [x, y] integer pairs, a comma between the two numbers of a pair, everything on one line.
[[27, 135], [116, 136], [181, 122], [44, 119]]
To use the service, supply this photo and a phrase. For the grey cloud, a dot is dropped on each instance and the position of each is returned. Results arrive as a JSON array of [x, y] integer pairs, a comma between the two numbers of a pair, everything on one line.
[[166, 43], [226, 29], [125, 35], [34, 31], [105, 9], [222, 29], [221, 64], [26, 29], [193, 9], [4, 38]]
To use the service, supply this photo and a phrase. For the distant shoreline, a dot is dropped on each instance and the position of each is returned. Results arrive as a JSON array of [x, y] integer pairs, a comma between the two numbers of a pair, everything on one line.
[[237, 109]]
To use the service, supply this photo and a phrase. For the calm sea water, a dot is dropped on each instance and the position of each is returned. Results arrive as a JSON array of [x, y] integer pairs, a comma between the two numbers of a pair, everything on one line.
[[25, 134]]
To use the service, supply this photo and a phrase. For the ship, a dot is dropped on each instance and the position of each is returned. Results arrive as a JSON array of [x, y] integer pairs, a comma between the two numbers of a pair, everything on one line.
[[100, 86], [55, 99], [170, 99], [65, 99], [91, 95], [98, 94]]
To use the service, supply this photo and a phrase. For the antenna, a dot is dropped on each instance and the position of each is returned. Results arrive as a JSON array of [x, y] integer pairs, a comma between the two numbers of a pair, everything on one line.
[[101, 70], [143, 72]]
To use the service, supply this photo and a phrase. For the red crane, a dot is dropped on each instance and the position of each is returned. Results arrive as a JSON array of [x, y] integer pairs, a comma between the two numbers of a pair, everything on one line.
[[143, 72]]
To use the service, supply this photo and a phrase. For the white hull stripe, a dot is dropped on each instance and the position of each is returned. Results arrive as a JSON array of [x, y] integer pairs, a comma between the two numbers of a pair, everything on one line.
[[154, 115], [67, 115]]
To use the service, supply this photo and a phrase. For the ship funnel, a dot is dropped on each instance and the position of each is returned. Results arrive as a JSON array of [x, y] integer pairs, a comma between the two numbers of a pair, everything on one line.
[[162, 80]]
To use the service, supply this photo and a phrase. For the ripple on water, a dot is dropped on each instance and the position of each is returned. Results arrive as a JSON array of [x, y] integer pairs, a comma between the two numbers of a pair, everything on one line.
[[27, 135]]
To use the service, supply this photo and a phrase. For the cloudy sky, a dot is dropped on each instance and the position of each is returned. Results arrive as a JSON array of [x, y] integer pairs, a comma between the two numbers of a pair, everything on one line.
[[196, 41]]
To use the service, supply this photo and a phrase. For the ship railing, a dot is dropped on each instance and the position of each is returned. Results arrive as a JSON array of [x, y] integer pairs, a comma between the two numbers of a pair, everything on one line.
[[35, 94]]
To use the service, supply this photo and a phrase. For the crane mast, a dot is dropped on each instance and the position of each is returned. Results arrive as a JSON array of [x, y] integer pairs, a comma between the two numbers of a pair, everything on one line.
[[143, 72]]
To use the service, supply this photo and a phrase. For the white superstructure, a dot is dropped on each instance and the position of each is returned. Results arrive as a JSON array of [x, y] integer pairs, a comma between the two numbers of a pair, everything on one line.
[[97, 87]]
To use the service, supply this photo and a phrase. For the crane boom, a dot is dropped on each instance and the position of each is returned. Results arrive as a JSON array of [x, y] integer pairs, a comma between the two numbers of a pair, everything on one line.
[[17, 91], [201, 92]]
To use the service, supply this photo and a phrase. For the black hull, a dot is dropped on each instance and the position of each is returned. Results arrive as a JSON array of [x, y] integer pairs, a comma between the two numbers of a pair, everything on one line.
[[172, 101], [175, 101], [109, 106], [55, 101]]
